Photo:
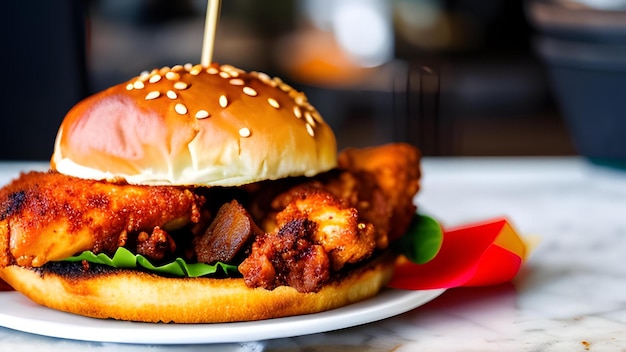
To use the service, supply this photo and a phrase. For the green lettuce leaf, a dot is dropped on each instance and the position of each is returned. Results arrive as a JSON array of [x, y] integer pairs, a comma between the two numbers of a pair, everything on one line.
[[423, 239], [123, 258]]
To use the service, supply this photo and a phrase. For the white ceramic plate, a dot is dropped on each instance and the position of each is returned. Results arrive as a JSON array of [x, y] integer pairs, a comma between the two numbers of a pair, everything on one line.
[[19, 313]]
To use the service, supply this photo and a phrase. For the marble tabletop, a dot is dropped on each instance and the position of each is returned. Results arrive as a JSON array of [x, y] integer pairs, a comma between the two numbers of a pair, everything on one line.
[[570, 296]]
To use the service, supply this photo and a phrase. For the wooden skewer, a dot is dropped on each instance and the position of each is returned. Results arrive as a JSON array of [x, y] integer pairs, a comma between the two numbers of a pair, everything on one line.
[[210, 27]]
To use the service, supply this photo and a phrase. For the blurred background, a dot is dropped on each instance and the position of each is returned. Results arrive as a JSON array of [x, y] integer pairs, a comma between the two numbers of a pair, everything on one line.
[[454, 77]]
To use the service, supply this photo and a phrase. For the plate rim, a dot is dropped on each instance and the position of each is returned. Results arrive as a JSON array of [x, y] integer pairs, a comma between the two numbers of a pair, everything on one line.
[[17, 312]]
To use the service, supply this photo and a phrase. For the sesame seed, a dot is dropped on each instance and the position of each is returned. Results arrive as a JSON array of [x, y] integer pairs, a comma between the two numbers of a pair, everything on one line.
[[236, 82], [224, 74], [195, 70], [317, 116], [188, 66], [129, 86], [297, 111], [212, 70], [138, 85], [143, 76], [180, 108], [202, 114], [153, 95], [172, 76], [180, 85], [177, 68], [223, 101], [164, 70], [310, 130], [155, 79], [232, 70], [171, 94], [273, 103], [285, 87], [309, 118], [249, 91], [244, 132], [300, 99], [263, 77], [294, 93]]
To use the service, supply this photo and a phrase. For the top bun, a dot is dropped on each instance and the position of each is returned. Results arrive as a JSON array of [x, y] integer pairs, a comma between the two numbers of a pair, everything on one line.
[[195, 125]]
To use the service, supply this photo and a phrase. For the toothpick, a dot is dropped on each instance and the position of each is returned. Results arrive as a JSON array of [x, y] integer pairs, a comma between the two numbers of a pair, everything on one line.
[[210, 27]]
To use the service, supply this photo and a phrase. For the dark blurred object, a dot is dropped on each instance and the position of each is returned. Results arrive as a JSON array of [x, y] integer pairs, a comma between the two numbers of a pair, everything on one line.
[[45, 45], [464, 81], [460, 27], [395, 102], [585, 51], [416, 110]]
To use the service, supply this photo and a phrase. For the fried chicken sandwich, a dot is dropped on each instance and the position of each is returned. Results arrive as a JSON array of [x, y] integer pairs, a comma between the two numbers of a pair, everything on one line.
[[198, 194]]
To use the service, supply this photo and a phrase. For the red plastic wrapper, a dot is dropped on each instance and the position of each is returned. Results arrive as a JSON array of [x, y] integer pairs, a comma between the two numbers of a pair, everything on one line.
[[481, 254]]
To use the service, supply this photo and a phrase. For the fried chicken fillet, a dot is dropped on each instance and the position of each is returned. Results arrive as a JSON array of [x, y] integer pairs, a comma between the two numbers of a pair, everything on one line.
[[47, 216], [313, 227]]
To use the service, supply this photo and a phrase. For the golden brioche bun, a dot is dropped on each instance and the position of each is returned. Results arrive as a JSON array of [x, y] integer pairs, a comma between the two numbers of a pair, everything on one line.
[[138, 296], [194, 125]]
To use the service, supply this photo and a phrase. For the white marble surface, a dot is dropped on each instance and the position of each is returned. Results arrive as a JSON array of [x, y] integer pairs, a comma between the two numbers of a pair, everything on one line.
[[571, 295]]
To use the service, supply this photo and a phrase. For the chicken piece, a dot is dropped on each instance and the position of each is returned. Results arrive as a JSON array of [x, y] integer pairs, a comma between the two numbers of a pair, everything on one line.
[[338, 230], [156, 245], [381, 182], [361, 192], [287, 257], [49, 216], [231, 229], [316, 235]]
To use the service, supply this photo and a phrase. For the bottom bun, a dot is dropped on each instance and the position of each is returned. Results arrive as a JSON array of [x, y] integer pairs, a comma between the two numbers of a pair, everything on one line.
[[138, 296]]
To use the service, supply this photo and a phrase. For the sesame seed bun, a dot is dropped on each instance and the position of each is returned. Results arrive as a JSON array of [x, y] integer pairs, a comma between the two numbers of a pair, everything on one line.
[[194, 125], [138, 296]]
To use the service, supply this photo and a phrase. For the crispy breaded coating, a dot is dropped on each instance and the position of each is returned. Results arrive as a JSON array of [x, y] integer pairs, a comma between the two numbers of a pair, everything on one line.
[[47, 216], [337, 228], [288, 257], [315, 233], [381, 183]]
